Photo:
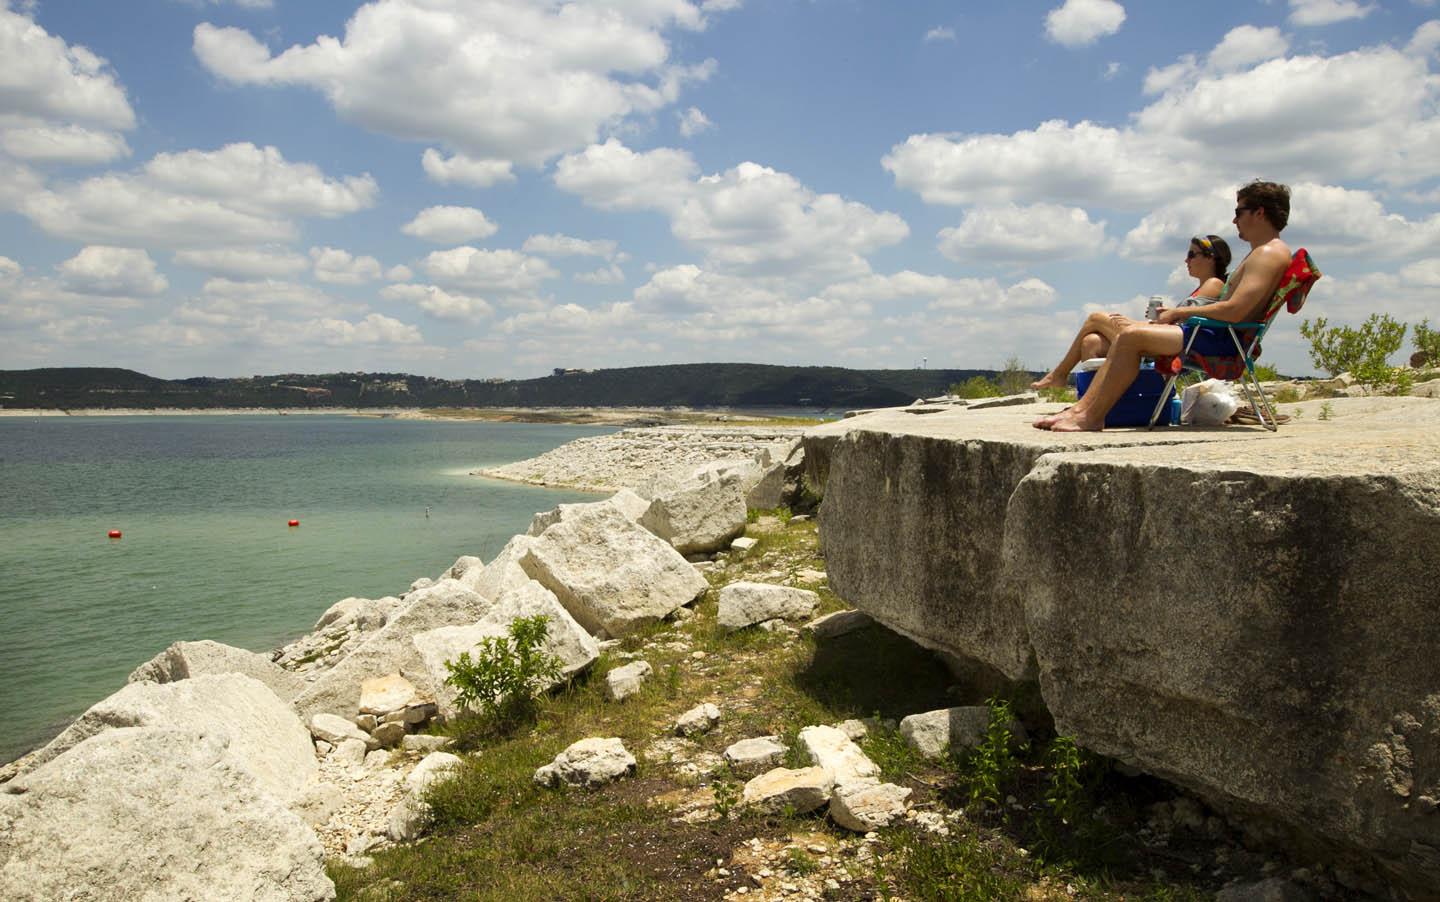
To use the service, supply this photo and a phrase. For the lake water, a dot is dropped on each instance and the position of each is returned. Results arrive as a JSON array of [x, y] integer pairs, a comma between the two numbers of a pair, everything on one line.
[[203, 505]]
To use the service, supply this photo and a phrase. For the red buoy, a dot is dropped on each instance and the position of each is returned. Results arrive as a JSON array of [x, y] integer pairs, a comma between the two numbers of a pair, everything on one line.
[[294, 522], [114, 533]]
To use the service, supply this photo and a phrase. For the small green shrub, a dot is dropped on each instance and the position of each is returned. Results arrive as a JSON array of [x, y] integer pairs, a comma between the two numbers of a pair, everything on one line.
[[1363, 352], [727, 797], [1287, 396], [1327, 410], [976, 387], [1427, 341], [505, 676], [1266, 373]]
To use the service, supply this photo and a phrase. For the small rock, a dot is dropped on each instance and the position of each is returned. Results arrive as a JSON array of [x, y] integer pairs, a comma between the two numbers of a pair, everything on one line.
[[757, 752], [588, 762], [699, 719], [390, 734], [624, 682]]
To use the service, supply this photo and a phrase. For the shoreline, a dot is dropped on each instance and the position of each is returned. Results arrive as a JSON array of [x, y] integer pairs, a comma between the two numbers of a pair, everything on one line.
[[572, 416]]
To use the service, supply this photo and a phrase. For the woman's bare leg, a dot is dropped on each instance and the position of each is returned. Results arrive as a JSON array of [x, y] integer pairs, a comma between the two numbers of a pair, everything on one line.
[[1104, 325], [1114, 377]]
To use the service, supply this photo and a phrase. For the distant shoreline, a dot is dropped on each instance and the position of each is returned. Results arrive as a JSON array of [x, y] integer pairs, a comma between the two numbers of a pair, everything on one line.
[[584, 416]]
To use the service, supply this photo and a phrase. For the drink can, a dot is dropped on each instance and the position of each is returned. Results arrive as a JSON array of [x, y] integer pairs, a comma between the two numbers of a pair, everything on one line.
[[1156, 302]]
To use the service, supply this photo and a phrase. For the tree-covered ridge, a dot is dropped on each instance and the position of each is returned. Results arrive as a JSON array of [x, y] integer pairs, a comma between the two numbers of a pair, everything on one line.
[[743, 385]]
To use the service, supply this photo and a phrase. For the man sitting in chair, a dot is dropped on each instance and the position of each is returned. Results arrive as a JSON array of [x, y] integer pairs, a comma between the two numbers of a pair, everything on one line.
[[1261, 211]]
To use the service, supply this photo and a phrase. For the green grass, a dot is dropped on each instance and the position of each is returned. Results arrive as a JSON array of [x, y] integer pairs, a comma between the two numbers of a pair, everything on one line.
[[495, 835]]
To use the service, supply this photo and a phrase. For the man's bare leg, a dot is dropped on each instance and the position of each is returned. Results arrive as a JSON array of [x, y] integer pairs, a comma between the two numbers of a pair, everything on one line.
[[1104, 326]]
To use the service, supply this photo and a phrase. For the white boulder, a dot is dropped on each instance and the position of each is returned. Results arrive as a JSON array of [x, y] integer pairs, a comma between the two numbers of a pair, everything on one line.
[[386, 694], [695, 515], [265, 736], [392, 649], [831, 749], [867, 806], [149, 814], [699, 719], [565, 639], [803, 790], [760, 751], [184, 660], [744, 604], [609, 573], [589, 762], [626, 680]]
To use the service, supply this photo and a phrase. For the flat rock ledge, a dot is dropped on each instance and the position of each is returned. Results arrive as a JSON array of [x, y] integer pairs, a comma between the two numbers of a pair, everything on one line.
[[629, 458], [1251, 615]]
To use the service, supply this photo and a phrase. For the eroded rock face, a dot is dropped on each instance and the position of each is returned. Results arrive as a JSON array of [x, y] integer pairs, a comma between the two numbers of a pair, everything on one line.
[[149, 814], [1250, 615], [611, 575]]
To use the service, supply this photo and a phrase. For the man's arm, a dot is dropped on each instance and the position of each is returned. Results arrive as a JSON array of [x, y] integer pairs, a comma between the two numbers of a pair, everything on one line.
[[1258, 281]]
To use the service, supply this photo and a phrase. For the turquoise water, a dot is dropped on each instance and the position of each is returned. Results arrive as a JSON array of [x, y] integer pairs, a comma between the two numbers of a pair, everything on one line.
[[203, 504]]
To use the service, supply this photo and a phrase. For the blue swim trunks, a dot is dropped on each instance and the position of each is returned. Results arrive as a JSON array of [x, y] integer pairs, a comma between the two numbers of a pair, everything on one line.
[[1211, 342]]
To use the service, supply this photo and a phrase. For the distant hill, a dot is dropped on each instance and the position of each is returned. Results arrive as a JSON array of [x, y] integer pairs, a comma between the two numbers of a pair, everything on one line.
[[737, 385]]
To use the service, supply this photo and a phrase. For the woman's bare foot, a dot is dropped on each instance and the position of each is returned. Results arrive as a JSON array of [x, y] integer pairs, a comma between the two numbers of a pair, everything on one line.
[[1050, 380]]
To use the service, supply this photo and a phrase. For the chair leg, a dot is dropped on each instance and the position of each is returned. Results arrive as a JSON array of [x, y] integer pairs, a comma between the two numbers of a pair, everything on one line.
[[1245, 380]]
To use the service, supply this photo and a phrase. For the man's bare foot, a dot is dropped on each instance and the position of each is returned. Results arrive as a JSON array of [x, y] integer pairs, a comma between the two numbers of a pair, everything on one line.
[[1044, 422], [1077, 423], [1050, 380]]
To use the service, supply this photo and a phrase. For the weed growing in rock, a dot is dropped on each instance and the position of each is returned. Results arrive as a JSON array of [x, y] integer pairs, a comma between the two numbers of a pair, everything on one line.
[[503, 678], [727, 796], [992, 762]]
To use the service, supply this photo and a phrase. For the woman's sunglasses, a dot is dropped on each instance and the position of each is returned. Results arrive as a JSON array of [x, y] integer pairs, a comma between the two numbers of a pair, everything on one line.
[[1193, 254]]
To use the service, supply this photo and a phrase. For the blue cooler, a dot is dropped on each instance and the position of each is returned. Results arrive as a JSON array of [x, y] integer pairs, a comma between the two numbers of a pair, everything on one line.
[[1138, 403]]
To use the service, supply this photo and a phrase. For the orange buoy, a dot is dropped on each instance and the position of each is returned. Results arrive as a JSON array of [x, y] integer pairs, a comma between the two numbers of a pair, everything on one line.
[[294, 522], [114, 533]]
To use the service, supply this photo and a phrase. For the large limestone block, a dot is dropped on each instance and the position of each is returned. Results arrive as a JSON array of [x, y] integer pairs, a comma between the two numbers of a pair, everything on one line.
[[265, 736], [154, 815], [1258, 626], [392, 649], [911, 530], [609, 573], [745, 603], [564, 638], [184, 660], [695, 515]]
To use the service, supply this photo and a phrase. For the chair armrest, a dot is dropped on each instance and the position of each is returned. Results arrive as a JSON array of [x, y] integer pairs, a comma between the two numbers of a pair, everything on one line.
[[1220, 323]]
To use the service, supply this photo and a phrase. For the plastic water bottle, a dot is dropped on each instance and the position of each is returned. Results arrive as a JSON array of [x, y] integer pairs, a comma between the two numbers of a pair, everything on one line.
[[1175, 411]]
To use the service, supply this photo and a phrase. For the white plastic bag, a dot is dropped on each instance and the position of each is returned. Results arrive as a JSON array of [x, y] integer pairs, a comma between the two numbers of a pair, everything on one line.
[[1210, 403]]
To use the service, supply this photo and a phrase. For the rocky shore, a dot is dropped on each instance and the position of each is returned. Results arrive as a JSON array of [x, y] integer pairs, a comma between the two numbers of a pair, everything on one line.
[[320, 750]]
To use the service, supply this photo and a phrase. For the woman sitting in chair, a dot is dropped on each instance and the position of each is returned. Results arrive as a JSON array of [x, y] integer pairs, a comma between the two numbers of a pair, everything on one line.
[[1207, 262]]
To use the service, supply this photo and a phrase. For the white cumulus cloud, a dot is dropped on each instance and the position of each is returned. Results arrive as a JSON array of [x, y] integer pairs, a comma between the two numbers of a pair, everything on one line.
[[1327, 12], [450, 225], [114, 271], [1030, 234], [463, 170], [339, 267], [504, 80], [1079, 23]]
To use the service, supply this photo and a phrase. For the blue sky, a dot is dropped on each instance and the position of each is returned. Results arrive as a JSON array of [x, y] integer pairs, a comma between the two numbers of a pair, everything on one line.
[[470, 190]]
